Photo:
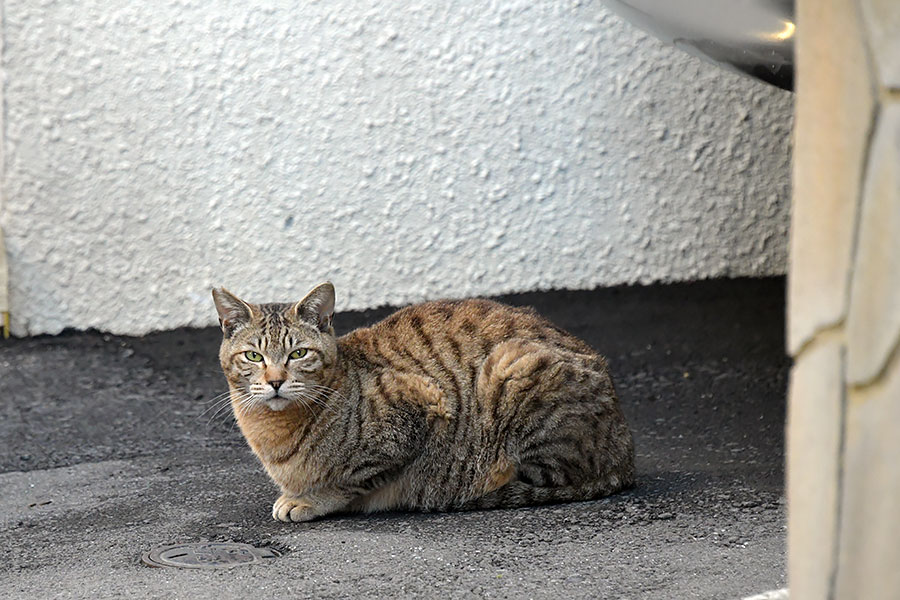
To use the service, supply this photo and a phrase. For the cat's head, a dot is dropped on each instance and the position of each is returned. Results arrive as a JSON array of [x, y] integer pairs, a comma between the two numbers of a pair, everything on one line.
[[276, 355]]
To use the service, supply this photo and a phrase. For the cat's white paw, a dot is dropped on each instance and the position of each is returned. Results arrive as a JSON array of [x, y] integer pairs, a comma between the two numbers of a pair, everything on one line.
[[290, 509]]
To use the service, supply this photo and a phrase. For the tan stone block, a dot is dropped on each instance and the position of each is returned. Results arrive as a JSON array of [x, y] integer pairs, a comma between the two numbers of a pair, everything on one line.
[[813, 455], [873, 322], [882, 19], [869, 562], [833, 113]]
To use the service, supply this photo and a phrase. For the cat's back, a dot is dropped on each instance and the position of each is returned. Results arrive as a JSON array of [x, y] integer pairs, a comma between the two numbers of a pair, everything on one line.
[[453, 332]]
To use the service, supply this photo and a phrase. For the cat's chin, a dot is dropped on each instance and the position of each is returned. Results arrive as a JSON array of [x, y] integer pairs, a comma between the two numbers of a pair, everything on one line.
[[278, 403]]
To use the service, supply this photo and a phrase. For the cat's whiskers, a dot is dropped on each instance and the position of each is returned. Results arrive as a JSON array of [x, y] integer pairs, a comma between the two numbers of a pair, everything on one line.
[[298, 394], [249, 401], [321, 395], [325, 391], [222, 405], [299, 400], [316, 401], [222, 412], [226, 403], [214, 409], [217, 403], [218, 397]]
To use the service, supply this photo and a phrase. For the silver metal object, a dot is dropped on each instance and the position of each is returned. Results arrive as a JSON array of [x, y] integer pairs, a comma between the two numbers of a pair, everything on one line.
[[207, 555], [754, 37]]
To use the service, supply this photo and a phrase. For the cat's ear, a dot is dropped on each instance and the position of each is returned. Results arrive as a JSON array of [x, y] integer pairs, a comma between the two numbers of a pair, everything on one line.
[[233, 312], [317, 307]]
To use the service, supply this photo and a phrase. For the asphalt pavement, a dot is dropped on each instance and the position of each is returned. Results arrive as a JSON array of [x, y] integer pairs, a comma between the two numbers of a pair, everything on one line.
[[108, 448]]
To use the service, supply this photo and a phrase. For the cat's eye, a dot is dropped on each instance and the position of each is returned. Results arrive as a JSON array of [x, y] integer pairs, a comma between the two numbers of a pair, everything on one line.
[[299, 353], [253, 356]]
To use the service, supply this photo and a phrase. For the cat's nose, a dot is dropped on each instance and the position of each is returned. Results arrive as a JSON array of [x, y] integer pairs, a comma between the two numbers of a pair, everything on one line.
[[276, 383]]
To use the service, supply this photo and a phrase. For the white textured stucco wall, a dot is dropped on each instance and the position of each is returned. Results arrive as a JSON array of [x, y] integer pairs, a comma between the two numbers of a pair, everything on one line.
[[405, 150]]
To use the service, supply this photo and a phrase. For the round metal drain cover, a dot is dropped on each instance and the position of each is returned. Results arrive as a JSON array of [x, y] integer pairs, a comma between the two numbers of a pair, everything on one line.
[[207, 555]]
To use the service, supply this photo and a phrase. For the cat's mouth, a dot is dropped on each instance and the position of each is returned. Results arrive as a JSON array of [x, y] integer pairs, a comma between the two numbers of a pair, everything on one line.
[[277, 402]]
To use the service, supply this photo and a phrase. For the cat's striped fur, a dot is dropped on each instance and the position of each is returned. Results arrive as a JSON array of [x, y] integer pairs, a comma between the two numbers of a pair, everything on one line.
[[443, 405]]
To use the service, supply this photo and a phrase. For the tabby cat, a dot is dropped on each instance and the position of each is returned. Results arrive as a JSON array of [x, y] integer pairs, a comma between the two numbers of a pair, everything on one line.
[[444, 405]]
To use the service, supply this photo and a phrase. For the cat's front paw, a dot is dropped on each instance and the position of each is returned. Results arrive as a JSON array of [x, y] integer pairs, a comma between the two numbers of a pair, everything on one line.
[[291, 509]]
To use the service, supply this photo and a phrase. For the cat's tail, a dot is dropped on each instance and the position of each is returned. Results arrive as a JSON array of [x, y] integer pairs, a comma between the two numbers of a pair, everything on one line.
[[520, 493]]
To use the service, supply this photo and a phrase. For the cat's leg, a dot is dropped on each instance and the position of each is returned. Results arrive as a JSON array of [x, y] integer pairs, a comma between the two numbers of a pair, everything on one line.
[[290, 508], [580, 441], [388, 435], [309, 506], [511, 372], [556, 416], [500, 473]]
